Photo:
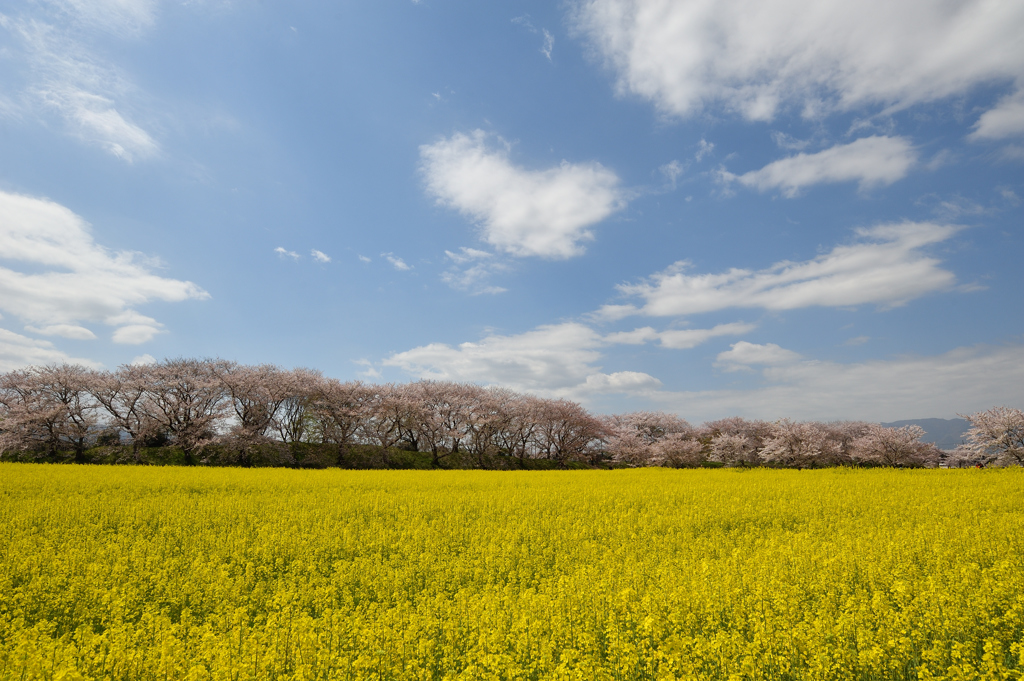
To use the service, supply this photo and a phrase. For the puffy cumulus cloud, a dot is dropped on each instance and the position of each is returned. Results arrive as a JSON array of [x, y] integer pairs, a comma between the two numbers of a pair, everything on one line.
[[756, 57], [617, 382], [962, 380], [71, 280], [870, 161], [556, 360], [886, 268], [320, 256], [136, 334], [523, 212], [744, 355], [678, 339], [1005, 120], [17, 351]]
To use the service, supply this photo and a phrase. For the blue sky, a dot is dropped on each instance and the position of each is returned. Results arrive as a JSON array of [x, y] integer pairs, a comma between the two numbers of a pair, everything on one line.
[[796, 209]]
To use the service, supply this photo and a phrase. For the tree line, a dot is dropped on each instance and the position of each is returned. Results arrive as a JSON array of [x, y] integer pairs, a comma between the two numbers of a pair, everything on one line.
[[219, 412]]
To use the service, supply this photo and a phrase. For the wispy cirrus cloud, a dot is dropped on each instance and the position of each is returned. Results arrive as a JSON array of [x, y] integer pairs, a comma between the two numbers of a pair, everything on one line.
[[58, 75], [471, 270], [546, 213], [57, 278], [869, 161], [886, 267], [549, 40]]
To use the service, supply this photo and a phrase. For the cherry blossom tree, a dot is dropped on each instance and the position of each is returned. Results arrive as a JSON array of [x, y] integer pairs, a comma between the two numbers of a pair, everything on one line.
[[997, 436], [186, 399], [566, 431], [388, 410], [48, 408], [295, 418], [122, 395], [256, 394], [642, 438], [679, 450], [795, 444], [517, 435], [895, 447], [442, 411], [736, 441], [838, 447], [734, 449], [340, 410]]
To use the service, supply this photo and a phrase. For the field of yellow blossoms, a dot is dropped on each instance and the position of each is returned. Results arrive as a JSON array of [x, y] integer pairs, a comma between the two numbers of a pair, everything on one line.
[[176, 573]]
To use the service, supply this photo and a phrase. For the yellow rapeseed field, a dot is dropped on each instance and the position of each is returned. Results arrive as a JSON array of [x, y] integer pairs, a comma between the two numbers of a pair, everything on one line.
[[172, 573]]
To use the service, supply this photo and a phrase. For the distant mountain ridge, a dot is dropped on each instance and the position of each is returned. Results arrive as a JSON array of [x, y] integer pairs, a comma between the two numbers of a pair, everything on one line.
[[945, 433]]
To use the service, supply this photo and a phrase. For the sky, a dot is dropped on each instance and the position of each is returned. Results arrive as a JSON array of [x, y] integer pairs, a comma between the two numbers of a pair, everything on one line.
[[768, 209]]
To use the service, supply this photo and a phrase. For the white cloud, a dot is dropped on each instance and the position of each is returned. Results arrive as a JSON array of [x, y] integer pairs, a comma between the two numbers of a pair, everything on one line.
[[618, 382], [369, 371], [672, 171], [72, 331], [556, 360], [755, 57], [1005, 120], [17, 351], [744, 354], [522, 212], [363, 258], [960, 381], [549, 40], [549, 44], [143, 359], [472, 268], [561, 361], [1012, 152], [396, 262], [73, 280], [65, 77], [887, 268], [126, 18], [703, 149], [285, 253], [465, 255], [136, 334], [788, 142], [870, 161], [320, 256], [94, 119], [679, 339]]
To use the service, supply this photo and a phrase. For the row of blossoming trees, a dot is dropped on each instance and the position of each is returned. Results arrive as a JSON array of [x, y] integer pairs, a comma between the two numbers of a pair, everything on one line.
[[216, 411]]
